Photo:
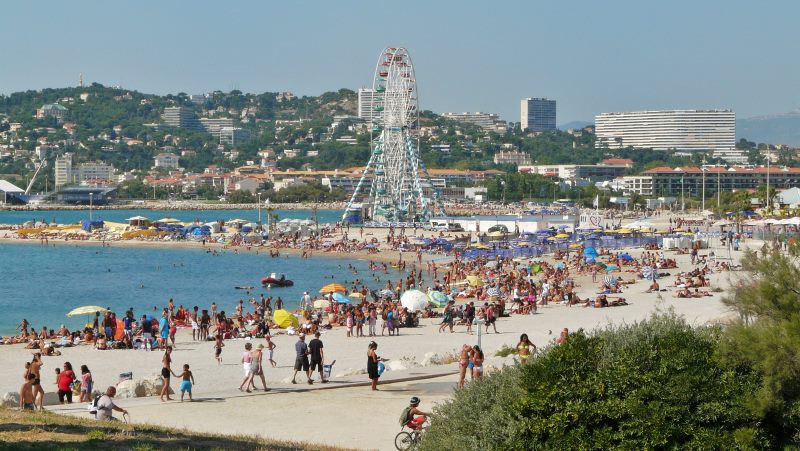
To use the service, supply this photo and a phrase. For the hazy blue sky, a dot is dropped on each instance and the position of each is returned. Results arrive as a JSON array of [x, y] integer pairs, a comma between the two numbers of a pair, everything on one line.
[[591, 56]]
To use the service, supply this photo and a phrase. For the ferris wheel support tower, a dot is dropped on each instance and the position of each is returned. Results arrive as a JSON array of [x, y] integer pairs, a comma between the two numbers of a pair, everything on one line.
[[394, 182]]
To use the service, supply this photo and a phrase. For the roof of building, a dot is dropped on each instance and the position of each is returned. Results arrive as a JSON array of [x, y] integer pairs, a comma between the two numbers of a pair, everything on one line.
[[722, 170], [8, 187], [624, 161], [54, 106]]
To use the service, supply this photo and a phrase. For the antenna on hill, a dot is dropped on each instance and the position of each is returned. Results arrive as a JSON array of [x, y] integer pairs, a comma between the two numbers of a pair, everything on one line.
[[80, 80]]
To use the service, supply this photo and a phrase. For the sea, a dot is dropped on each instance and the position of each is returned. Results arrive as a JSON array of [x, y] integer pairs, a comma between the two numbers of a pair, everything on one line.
[[75, 216], [43, 283]]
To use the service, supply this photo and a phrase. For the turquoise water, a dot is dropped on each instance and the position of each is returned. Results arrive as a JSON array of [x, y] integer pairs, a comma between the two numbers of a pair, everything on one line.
[[74, 216], [43, 283]]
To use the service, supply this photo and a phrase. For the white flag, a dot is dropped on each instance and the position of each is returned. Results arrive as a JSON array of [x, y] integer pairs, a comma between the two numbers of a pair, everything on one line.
[[596, 202]]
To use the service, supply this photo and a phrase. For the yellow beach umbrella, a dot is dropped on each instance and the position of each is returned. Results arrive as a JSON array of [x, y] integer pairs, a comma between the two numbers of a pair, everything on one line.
[[475, 281], [479, 246], [333, 287], [87, 310], [284, 318]]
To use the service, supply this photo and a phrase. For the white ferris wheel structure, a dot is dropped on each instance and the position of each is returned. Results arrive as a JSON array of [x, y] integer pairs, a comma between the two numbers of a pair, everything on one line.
[[395, 185]]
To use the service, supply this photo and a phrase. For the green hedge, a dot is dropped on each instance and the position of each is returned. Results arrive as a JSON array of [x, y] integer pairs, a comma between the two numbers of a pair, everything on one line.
[[651, 385]]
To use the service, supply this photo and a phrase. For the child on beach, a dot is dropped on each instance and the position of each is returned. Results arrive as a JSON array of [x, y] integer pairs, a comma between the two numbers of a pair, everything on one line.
[[270, 347], [218, 345], [86, 384], [187, 382]]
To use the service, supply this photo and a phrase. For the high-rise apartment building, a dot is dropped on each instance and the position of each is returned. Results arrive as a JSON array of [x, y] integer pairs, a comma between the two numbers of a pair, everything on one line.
[[369, 102], [537, 114], [181, 117], [63, 170], [233, 135], [215, 125], [683, 130]]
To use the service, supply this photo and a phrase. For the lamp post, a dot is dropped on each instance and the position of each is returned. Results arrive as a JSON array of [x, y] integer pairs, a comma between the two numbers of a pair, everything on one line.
[[767, 203], [477, 322], [269, 217], [503, 183], [259, 209], [703, 208], [91, 199]]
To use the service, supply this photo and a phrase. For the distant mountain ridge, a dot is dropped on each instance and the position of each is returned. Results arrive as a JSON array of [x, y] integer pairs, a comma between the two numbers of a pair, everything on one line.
[[772, 129]]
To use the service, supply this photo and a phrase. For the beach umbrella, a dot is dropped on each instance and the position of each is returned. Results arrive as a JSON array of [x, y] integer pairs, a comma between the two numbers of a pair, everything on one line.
[[321, 304], [610, 268], [333, 287], [87, 310], [610, 280], [414, 300], [648, 273], [574, 246], [138, 218], [475, 281], [168, 220], [340, 298], [284, 319], [437, 298], [479, 246], [562, 235], [386, 293]]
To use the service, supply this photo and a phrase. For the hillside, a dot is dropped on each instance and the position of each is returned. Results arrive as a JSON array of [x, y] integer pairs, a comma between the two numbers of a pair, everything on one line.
[[774, 129], [49, 431]]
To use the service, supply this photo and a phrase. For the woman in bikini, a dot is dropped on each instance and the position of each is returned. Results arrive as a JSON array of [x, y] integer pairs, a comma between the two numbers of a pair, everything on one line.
[[524, 348], [463, 362], [477, 362]]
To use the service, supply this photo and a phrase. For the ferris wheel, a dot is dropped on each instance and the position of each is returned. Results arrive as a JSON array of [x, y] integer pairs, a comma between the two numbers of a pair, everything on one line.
[[396, 192]]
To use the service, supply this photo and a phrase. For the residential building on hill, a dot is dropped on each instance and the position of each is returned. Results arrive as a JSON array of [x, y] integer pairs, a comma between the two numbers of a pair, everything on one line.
[[681, 130], [166, 160], [486, 121], [512, 157], [59, 112], [369, 102]]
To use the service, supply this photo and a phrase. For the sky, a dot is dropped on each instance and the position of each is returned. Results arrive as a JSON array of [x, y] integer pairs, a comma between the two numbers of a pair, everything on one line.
[[590, 56]]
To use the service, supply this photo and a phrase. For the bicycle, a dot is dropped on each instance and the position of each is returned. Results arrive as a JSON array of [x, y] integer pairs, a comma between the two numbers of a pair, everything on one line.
[[405, 440]]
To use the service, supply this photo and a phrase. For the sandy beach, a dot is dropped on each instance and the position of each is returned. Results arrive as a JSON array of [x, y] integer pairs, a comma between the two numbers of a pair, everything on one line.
[[316, 412]]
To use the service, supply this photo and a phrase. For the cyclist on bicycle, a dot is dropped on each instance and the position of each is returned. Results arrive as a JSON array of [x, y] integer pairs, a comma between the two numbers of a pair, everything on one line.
[[414, 418]]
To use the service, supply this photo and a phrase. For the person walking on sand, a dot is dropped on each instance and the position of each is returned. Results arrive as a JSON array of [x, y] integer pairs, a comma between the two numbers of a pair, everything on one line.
[[301, 359], [256, 361], [218, 345], [166, 373], [86, 384], [247, 367], [372, 364], [35, 369], [524, 348], [271, 350], [187, 381], [317, 357]]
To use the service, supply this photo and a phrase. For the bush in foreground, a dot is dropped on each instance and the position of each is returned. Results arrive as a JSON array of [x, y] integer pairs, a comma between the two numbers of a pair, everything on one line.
[[655, 384]]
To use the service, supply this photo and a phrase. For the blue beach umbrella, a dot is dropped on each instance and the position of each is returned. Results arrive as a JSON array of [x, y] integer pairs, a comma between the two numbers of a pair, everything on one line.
[[340, 298], [437, 298]]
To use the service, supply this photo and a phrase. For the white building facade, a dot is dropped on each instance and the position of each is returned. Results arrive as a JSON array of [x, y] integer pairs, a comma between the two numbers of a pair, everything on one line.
[[368, 101], [682, 130]]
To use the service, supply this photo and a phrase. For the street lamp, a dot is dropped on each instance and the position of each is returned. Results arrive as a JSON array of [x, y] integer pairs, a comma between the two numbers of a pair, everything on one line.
[[503, 183], [477, 322], [704, 187], [91, 199], [259, 209]]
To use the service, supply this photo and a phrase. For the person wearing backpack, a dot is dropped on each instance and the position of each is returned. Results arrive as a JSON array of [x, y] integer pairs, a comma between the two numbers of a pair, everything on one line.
[[412, 417], [104, 405]]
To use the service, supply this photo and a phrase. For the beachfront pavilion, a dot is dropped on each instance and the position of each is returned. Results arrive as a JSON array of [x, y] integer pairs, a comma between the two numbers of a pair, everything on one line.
[[85, 195], [9, 192]]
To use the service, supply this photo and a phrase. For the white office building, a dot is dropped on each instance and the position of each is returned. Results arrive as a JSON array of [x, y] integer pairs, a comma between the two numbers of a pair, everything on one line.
[[537, 115], [682, 130], [368, 101]]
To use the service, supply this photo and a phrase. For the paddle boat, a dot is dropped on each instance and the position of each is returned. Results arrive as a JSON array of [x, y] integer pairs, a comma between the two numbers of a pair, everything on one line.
[[276, 280]]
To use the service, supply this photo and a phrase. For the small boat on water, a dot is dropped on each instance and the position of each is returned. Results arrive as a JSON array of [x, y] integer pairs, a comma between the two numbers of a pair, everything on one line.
[[276, 280]]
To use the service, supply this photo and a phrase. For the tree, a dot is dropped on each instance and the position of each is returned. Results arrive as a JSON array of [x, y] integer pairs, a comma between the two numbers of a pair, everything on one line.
[[767, 336], [241, 197], [657, 384]]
